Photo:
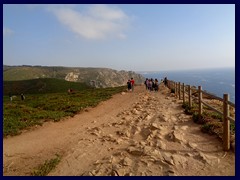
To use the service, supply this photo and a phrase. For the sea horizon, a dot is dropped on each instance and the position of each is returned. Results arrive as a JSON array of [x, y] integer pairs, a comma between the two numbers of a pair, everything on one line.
[[217, 81]]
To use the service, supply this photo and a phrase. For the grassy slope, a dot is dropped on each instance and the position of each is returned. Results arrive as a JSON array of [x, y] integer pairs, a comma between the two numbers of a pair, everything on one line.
[[53, 104], [36, 86], [12, 73]]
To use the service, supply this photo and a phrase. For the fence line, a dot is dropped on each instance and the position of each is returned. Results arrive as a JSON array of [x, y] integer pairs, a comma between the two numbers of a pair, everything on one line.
[[178, 89]]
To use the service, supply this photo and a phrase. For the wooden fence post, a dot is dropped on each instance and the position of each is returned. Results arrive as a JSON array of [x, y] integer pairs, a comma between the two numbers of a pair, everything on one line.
[[226, 123], [189, 96], [179, 90], [183, 94], [200, 100], [175, 88]]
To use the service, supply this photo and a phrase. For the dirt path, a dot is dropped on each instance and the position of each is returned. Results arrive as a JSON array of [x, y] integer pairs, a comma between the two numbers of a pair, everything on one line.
[[138, 133]]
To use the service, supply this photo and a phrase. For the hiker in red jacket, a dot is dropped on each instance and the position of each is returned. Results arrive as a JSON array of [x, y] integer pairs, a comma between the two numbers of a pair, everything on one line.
[[132, 83]]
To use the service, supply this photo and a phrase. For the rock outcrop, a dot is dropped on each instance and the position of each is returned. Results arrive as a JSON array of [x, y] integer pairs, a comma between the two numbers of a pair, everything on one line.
[[96, 77]]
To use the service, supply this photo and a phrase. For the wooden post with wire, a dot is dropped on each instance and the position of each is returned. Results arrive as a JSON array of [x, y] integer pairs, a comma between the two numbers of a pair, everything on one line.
[[226, 123], [189, 96], [179, 90], [200, 101], [183, 94]]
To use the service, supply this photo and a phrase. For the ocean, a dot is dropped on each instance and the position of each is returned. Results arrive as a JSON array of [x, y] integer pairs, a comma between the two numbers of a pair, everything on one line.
[[215, 81]]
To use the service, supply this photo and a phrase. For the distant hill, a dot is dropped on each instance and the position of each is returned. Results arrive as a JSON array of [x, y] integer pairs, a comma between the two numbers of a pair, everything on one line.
[[96, 77], [42, 85]]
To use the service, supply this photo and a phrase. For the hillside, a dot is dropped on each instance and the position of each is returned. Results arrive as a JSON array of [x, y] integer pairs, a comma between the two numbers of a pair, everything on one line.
[[96, 77], [41, 85]]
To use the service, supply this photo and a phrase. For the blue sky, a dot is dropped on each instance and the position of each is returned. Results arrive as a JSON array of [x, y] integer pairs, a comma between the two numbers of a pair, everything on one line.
[[152, 37]]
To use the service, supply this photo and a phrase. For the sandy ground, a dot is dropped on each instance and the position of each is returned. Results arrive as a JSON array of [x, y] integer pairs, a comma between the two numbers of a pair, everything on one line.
[[132, 134]]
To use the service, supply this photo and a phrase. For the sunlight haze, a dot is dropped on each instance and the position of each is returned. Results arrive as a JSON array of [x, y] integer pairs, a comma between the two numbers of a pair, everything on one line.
[[122, 37]]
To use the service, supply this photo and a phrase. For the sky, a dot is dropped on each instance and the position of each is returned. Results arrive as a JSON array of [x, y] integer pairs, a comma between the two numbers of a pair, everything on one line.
[[132, 37]]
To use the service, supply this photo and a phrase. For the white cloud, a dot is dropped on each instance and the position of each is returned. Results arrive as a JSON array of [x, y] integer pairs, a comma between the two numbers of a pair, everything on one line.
[[98, 22], [7, 31], [105, 12]]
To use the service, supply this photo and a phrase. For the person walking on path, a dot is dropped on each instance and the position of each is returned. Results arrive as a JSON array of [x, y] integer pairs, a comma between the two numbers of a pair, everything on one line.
[[132, 83], [146, 83], [10, 96], [129, 85], [22, 97], [165, 81], [156, 86]]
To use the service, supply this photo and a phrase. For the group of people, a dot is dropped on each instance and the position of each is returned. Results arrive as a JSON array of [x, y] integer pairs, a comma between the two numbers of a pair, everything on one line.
[[130, 84], [151, 85]]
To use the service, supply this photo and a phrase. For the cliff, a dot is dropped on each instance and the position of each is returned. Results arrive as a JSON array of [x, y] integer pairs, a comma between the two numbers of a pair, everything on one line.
[[96, 77]]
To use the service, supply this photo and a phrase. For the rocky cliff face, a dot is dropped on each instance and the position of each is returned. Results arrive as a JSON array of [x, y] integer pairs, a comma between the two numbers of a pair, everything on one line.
[[96, 77], [103, 77]]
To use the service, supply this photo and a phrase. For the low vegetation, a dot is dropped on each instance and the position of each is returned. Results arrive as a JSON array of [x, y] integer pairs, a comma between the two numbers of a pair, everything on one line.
[[38, 108], [41, 86], [48, 166], [212, 122]]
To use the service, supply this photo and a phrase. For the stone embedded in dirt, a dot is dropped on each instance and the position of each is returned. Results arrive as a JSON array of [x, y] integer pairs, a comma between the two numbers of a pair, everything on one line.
[[97, 162], [126, 161], [123, 93], [143, 143], [173, 118], [126, 118], [168, 158], [121, 172], [163, 118], [209, 159], [184, 128], [108, 138], [170, 172], [118, 170], [138, 107], [154, 126], [145, 132], [179, 160], [135, 130], [161, 144], [147, 150], [189, 155], [159, 135], [148, 117], [135, 151], [176, 136], [96, 134], [135, 112], [124, 132], [117, 124], [119, 141], [192, 145]]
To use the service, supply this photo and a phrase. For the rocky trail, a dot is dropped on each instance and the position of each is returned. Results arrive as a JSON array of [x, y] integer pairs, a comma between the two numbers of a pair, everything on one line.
[[132, 134]]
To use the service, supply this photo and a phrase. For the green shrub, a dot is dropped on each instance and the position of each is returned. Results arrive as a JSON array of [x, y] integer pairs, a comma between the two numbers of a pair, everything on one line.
[[195, 117], [172, 90], [47, 167], [232, 128], [208, 128], [188, 109]]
